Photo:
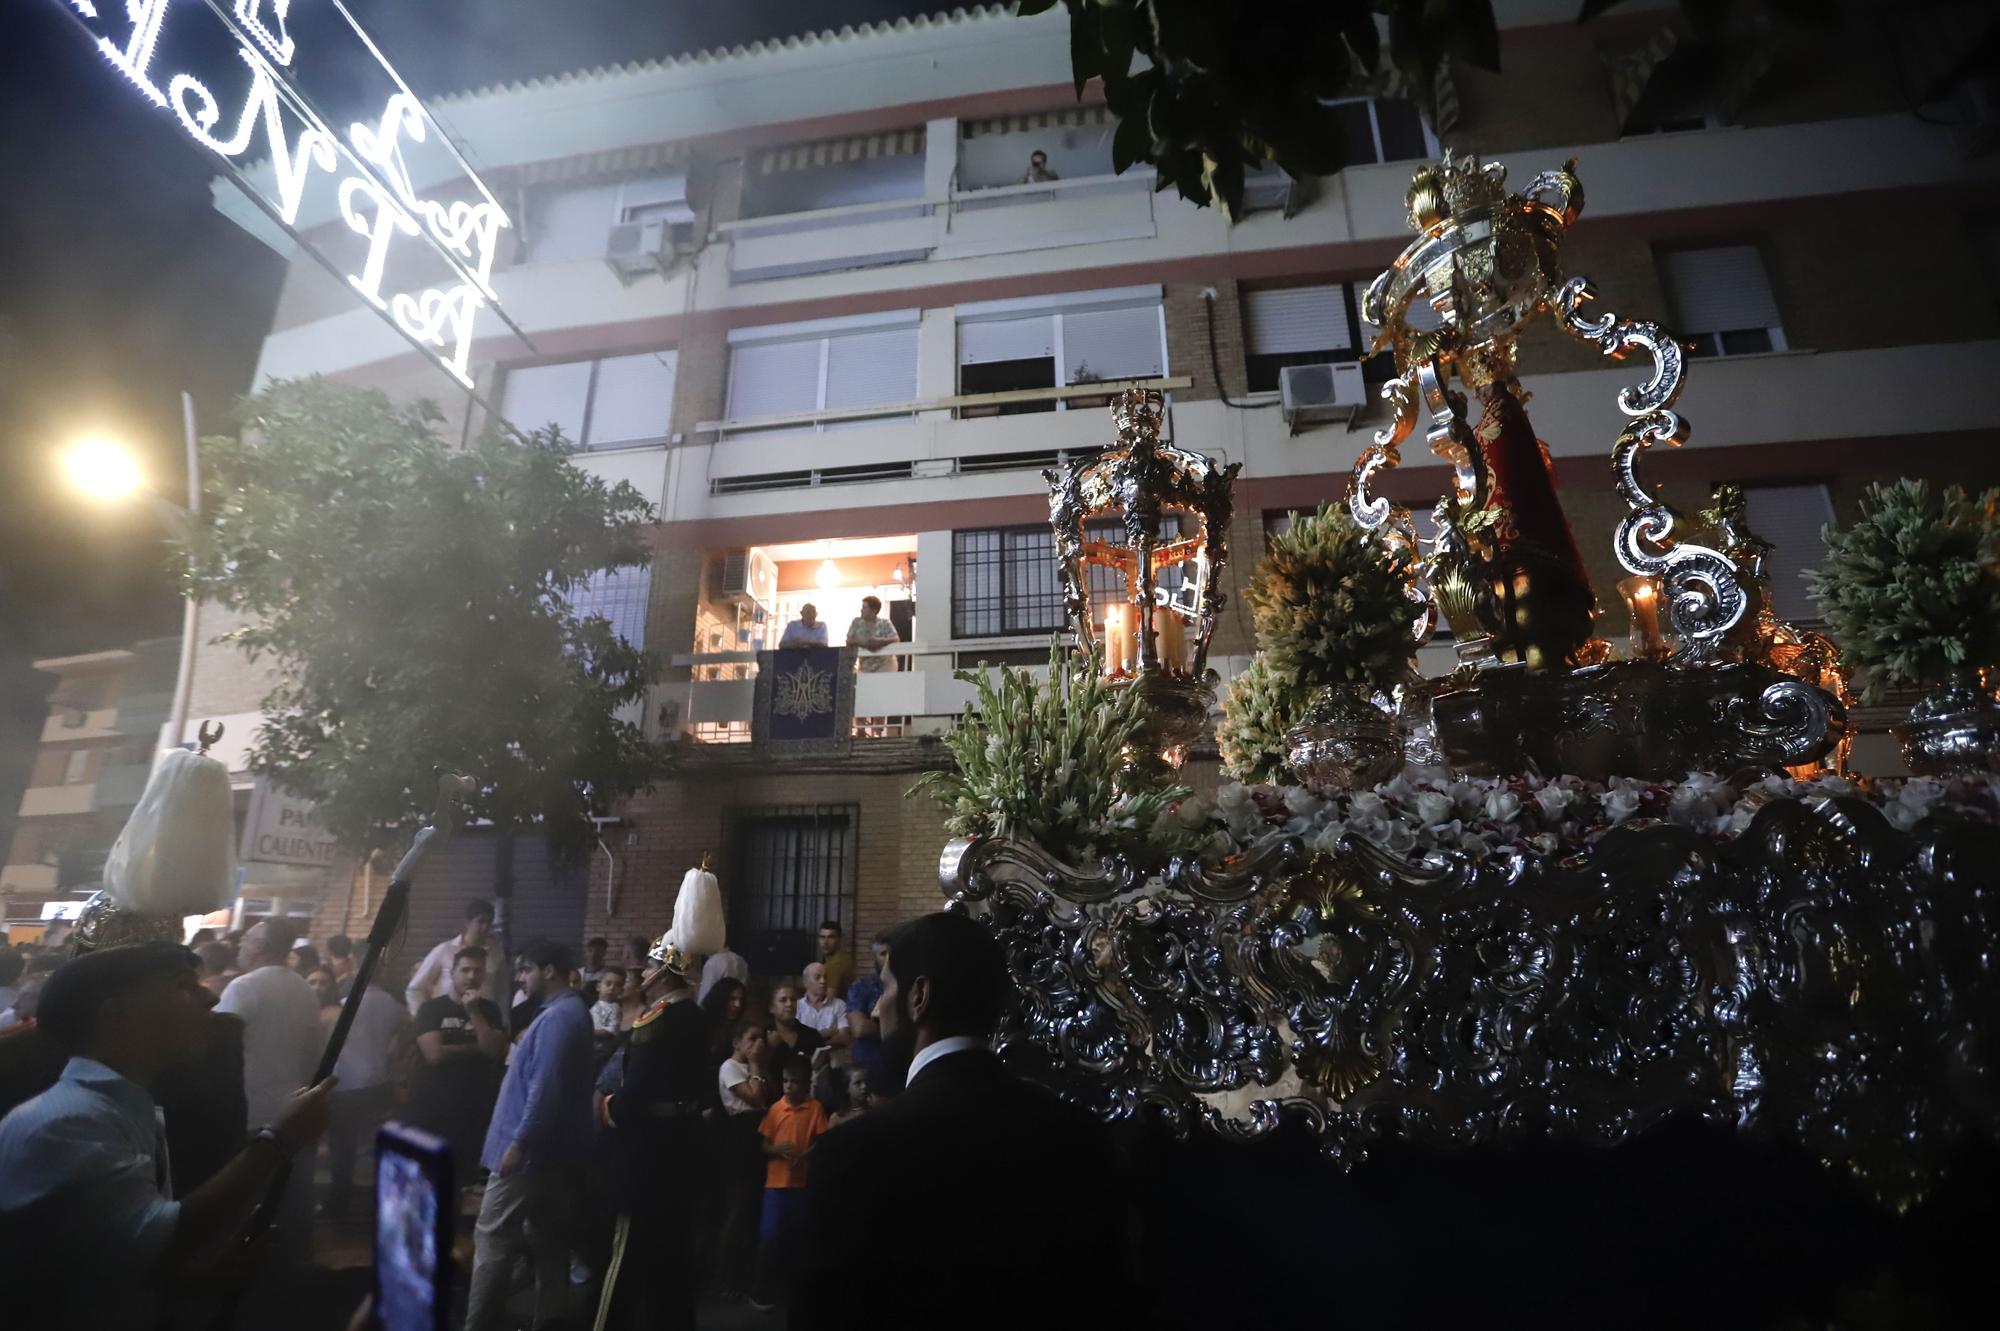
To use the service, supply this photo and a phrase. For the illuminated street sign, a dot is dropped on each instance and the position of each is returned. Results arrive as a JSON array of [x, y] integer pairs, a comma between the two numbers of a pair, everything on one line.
[[366, 169]]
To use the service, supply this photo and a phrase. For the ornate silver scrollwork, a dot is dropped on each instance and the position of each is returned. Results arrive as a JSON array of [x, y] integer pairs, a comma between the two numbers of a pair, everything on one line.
[[1789, 721], [1796, 981], [1704, 588], [1369, 509]]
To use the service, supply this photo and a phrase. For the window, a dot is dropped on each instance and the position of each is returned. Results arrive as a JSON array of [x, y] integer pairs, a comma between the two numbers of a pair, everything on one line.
[[1005, 580], [794, 868], [799, 371], [1381, 129], [1722, 300], [620, 596], [608, 403], [574, 222], [835, 173], [1790, 518], [1003, 347], [76, 770], [1296, 326]]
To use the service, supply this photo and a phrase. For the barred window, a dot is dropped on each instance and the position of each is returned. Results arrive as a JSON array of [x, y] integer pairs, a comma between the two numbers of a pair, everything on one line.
[[619, 595], [794, 868], [1005, 580]]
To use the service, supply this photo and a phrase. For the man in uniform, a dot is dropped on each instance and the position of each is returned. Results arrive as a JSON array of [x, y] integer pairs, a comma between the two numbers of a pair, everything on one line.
[[655, 1118]]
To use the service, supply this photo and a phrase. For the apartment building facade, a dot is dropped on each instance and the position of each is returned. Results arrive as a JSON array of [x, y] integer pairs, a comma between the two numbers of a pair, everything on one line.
[[812, 300]]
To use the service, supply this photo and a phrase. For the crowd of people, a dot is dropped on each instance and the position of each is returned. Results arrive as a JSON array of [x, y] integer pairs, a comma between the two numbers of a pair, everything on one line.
[[645, 1127]]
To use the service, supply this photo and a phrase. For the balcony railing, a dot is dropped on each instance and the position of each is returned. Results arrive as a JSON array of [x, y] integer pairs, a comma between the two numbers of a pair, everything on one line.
[[957, 402]]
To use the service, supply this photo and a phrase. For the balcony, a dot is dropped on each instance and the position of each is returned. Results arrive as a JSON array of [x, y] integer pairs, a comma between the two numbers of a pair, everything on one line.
[[1010, 219], [57, 801], [826, 240], [963, 434]]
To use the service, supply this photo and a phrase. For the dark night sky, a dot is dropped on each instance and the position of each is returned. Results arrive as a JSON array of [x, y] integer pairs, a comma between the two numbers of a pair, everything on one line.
[[120, 285]]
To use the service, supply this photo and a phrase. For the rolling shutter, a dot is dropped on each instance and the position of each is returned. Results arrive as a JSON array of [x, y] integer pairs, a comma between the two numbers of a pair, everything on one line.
[[869, 369], [538, 396], [773, 378], [1719, 290], [1790, 518], [634, 399], [1295, 319], [984, 341], [1113, 344]]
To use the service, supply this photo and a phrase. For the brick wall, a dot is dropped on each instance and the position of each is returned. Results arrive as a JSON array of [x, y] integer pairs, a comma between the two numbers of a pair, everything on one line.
[[1187, 339], [896, 845]]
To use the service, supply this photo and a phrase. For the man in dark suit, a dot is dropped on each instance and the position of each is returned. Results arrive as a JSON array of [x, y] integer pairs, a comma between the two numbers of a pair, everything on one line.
[[973, 1198]]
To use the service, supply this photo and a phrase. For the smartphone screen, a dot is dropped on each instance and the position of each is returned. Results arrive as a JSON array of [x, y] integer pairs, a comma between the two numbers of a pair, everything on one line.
[[413, 1230]]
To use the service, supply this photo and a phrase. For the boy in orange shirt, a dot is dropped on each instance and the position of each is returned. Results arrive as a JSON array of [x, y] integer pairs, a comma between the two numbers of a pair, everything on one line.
[[789, 1130]]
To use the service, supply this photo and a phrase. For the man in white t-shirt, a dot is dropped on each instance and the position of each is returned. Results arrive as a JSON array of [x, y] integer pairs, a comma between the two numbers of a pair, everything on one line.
[[822, 1009], [282, 1039], [433, 977], [723, 965], [366, 1095]]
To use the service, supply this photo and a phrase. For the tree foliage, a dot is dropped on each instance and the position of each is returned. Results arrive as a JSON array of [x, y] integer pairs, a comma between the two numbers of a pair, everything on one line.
[[1912, 590], [416, 600], [1218, 90]]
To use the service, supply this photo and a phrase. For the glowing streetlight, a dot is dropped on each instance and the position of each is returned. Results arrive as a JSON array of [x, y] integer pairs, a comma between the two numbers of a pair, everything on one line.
[[103, 470]]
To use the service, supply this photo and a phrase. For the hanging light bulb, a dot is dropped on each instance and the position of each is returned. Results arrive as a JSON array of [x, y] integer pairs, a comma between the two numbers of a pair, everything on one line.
[[829, 574]]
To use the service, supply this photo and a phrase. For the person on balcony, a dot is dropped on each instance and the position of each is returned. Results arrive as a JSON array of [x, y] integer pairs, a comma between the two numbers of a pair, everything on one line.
[[869, 634], [1038, 169], [805, 631]]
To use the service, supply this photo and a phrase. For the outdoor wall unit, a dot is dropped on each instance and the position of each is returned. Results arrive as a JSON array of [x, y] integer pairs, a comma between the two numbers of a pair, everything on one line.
[[1313, 393], [744, 577], [637, 248]]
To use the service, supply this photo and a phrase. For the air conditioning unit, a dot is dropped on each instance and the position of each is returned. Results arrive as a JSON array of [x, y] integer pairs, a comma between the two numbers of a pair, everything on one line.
[[1311, 393], [745, 577], [1267, 191], [637, 248]]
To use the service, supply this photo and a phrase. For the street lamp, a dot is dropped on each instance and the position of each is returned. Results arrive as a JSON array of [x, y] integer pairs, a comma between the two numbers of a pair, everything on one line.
[[102, 470], [106, 472]]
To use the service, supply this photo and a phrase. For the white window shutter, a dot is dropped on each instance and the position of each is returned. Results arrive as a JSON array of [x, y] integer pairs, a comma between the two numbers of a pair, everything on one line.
[[984, 341], [572, 223], [871, 369], [635, 399], [541, 395], [1295, 319], [1113, 344], [1790, 518], [773, 378], [1719, 290]]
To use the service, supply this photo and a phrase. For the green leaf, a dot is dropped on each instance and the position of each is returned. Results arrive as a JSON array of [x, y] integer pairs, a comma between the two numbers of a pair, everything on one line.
[[1086, 49], [1131, 143]]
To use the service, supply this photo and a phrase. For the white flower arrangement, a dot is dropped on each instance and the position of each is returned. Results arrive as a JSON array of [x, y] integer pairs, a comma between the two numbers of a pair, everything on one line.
[[1426, 811]]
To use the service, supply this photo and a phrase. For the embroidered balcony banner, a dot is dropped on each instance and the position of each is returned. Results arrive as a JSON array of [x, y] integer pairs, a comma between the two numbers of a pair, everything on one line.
[[805, 700]]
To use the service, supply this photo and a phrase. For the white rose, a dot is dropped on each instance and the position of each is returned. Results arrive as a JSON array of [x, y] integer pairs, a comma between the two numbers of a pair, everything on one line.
[[1472, 843], [1545, 843], [1300, 802], [1469, 797], [1328, 837], [1373, 829], [1431, 808], [1554, 801], [1502, 805], [1233, 797], [1402, 839], [1621, 804]]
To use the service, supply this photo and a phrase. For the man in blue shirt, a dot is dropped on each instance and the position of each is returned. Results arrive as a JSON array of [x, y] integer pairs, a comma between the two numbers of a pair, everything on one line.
[[862, 996], [85, 1193], [535, 1148]]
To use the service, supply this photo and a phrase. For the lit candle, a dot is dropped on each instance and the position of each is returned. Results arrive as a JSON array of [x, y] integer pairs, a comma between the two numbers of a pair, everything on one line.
[[1128, 626], [1172, 639], [1114, 639], [1642, 596]]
